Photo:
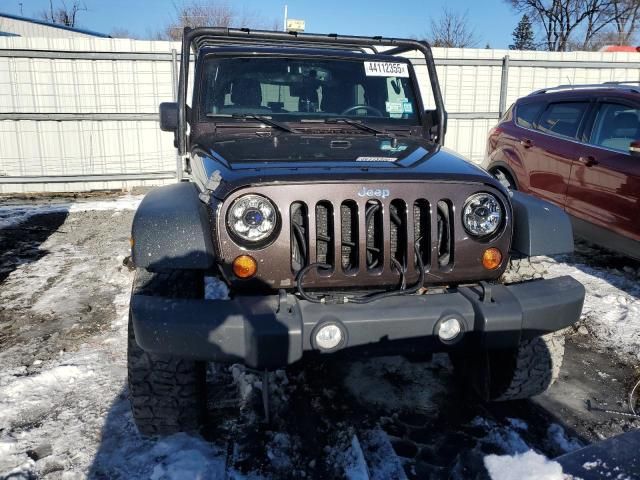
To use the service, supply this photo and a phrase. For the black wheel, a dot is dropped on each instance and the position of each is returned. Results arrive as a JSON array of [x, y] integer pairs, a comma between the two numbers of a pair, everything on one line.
[[167, 395], [513, 374], [505, 179]]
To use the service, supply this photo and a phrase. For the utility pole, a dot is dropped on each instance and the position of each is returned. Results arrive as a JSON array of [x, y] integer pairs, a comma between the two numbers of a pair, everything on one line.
[[21, 12], [284, 29]]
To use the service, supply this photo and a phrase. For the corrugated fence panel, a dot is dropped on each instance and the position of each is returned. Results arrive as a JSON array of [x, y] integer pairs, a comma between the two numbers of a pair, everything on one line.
[[468, 137], [84, 110], [62, 77], [84, 148], [84, 86]]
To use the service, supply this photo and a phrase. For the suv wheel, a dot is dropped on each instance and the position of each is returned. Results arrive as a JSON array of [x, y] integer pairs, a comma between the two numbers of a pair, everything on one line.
[[513, 374], [167, 395], [504, 178]]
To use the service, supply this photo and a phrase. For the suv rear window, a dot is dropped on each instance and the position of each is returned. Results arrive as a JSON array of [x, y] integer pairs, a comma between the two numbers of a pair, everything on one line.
[[562, 118], [616, 126], [526, 113]]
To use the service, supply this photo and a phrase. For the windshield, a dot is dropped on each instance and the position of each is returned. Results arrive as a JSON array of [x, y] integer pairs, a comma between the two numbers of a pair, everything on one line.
[[297, 89]]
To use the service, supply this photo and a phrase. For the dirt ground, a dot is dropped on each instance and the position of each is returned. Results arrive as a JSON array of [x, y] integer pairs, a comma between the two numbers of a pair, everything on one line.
[[64, 286]]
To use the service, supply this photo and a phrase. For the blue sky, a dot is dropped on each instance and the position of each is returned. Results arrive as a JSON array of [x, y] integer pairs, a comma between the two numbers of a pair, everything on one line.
[[493, 20]]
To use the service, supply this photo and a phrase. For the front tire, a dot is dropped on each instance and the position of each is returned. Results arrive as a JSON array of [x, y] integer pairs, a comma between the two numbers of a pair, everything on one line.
[[505, 179], [513, 374], [167, 394]]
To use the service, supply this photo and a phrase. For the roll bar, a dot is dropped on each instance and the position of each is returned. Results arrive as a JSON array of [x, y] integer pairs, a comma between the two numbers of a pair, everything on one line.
[[198, 38]]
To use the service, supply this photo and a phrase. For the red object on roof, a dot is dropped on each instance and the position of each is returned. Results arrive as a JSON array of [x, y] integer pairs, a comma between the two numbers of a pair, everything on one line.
[[620, 48]]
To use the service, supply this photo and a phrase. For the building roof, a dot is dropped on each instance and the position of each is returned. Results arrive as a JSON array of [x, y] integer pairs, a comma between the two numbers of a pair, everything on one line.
[[53, 25]]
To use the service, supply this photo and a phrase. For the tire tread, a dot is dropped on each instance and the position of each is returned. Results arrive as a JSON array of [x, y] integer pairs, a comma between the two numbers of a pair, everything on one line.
[[167, 394]]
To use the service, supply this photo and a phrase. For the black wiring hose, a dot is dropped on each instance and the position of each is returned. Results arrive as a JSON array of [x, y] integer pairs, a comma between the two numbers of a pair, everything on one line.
[[409, 291], [369, 298], [299, 234], [401, 270], [301, 275]]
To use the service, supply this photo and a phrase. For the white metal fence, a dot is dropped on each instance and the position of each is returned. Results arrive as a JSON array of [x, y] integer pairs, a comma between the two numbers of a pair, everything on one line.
[[80, 114]]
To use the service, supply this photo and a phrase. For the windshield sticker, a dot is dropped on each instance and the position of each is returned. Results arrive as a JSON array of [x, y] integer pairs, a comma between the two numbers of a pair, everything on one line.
[[394, 107], [388, 147], [407, 107], [376, 159], [386, 69]]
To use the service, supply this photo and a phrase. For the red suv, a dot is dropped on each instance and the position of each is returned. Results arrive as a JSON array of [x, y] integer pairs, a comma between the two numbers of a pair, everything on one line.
[[577, 146]]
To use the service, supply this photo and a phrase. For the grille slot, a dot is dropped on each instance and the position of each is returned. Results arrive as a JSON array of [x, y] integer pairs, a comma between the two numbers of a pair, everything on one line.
[[324, 233], [349, 235], [375, 235], [421, 234], [299, 216], [445, 234], [398, 231]]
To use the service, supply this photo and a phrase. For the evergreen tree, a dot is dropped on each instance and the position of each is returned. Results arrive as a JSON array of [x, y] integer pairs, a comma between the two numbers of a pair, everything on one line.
[[523, 35]]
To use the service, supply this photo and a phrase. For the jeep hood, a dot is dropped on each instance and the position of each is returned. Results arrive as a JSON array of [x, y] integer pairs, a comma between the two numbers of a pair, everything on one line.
[[242, 161]]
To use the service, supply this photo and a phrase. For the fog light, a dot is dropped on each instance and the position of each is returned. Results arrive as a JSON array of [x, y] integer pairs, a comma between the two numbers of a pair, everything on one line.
[[244, 266], [329, 336], [491, 258], [449, 329]]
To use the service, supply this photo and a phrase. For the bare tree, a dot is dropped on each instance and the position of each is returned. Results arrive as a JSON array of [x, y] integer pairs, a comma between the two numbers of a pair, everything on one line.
[[584, 24], [63, 14], [626, 16], [452, 29], [213, 13], [558, 19], [613, 23]]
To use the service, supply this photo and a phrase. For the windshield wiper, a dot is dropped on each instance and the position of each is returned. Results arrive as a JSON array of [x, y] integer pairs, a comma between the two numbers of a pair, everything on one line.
[[266, 120], [359, 125]]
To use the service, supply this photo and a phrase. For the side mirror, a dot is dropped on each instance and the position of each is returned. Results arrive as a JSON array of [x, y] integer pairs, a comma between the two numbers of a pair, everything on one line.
[[634, 148], [169, 116], [433, 120]]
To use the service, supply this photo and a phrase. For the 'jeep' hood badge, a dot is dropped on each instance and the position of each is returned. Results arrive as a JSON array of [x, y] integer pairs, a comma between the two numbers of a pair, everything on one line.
[[374, 192]]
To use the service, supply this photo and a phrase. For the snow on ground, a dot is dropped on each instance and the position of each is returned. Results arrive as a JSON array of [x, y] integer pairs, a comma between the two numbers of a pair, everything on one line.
[[68, 398], [523, 466], [11, 215], [558, 437], [612, 305], [63, 319]]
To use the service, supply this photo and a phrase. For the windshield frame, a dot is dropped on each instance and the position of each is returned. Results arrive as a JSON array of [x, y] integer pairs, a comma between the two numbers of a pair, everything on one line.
[[198, 115], [196, 40]]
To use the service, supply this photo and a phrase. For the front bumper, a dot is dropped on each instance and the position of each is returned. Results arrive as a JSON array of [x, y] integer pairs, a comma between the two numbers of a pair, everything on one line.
[[276, 330]]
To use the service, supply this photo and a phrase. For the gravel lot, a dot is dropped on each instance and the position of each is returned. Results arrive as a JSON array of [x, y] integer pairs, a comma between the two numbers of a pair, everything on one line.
[[64, 286]]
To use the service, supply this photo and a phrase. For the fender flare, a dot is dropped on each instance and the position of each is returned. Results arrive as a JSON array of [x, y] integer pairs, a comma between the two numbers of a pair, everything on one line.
[[172, 230], [539, 227]]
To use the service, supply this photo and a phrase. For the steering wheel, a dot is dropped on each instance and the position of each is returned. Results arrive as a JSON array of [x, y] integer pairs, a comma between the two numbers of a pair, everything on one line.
[[373, 110]]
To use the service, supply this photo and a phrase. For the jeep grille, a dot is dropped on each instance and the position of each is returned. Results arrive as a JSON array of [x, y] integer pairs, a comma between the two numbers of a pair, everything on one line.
[[364, 242], [399, 251]]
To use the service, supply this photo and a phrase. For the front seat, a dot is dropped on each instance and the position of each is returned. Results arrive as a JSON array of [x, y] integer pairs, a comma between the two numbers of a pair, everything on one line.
[[624, 129], [246, 96]]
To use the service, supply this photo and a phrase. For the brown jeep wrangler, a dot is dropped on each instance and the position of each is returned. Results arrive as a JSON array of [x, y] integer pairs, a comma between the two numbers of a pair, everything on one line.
[[322, 215]]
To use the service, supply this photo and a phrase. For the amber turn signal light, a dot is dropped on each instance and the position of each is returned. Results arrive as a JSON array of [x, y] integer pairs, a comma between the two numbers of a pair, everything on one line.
[[245, 266], [491, 258]]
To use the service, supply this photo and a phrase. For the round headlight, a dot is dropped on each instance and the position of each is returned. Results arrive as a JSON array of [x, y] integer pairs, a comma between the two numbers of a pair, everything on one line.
[[482, 214], [252, 218]]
